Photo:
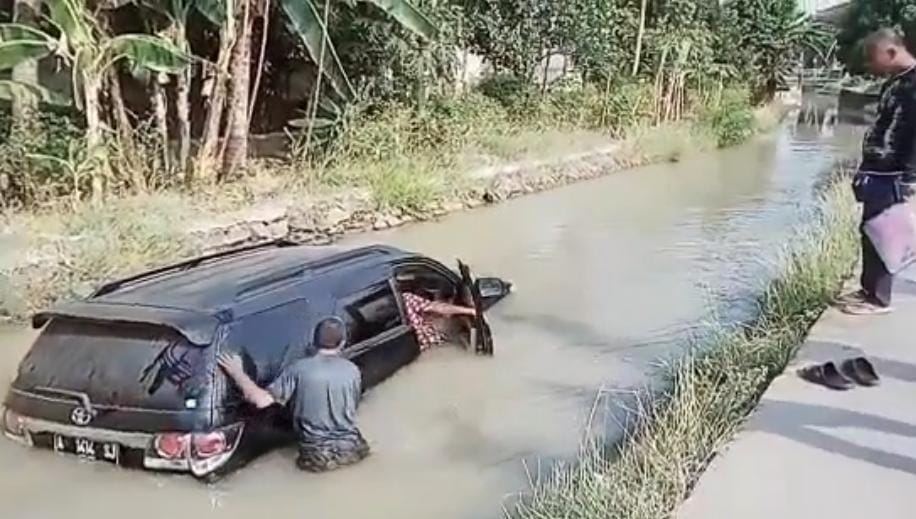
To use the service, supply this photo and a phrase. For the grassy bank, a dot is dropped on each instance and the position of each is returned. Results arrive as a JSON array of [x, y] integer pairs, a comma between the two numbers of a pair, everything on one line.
[[711, 391], [403, 159]]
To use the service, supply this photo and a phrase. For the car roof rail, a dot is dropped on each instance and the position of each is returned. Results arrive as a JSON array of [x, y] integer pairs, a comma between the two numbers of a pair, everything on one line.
[[344, 257], [188, 264]]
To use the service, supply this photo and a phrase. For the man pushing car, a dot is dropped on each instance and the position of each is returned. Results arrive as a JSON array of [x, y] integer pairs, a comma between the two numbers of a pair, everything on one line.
[[322, 392]]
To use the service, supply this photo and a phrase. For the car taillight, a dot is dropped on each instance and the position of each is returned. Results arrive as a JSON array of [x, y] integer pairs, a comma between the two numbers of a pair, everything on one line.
[[14, 427], [207, 445], [171, 446], [199, 452], [13, 423]]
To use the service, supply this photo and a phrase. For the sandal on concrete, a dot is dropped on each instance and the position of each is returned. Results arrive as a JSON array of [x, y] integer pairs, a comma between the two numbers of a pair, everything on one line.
[[826, 375], [865, 308], [861, 371], [859, 296]]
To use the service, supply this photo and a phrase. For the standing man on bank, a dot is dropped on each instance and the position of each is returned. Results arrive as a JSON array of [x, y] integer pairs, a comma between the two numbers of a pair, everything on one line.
[[322, 392], [888, 163]]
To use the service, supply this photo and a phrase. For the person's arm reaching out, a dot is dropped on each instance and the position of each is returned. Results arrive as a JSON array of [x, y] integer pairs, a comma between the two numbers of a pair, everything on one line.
[[254, 394], [448, 309]]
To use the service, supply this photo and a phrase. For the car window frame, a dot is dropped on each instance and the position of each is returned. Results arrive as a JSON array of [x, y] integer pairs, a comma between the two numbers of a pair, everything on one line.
[[437, 268], [354, 350], [430, 263]]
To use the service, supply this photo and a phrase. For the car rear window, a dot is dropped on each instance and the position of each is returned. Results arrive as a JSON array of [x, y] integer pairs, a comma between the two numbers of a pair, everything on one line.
[[130, 365]]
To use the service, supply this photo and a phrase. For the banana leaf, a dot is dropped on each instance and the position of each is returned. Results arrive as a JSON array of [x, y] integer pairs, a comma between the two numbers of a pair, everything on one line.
[[148, 52], [15, 52], [408, 16], [304, 20], [213, 10], [71, 18]]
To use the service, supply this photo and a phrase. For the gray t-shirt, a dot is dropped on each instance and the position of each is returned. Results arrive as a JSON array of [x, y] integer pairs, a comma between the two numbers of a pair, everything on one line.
[[324, 391]]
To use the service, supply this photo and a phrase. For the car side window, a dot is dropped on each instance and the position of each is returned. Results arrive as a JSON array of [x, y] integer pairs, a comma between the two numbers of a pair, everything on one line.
[[426, 281], [370, 313], [271, 339]]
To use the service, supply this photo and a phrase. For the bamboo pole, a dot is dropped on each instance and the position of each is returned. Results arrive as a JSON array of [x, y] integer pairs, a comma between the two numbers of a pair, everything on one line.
[[639, 36]]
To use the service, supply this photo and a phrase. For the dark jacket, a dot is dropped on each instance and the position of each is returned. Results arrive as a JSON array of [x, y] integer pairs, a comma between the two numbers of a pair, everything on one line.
[[890, 144]]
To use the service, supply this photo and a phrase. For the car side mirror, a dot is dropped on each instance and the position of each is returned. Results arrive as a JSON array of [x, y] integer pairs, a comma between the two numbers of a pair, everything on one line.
[[490, 288]]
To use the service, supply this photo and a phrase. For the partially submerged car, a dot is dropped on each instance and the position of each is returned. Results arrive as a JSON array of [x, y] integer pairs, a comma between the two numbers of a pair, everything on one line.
[[129, 375]]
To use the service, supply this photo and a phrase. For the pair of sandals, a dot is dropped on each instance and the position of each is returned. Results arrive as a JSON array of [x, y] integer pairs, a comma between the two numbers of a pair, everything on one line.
[[852, 372]]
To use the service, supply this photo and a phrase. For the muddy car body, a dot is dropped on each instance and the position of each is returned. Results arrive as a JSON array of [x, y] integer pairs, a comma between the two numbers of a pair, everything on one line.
[[129, 374]]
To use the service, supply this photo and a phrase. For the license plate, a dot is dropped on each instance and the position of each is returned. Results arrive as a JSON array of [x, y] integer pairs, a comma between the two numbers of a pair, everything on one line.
[[87, 449]]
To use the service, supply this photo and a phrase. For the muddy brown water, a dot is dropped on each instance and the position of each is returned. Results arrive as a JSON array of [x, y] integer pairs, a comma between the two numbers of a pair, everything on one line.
[[611, 275]]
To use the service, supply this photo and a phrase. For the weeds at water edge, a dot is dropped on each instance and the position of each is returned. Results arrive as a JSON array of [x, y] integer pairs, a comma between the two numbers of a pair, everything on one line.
[[710, 392]]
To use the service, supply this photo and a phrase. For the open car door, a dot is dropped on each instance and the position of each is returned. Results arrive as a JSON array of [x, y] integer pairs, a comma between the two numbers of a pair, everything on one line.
[[481, 337], [481, 294]]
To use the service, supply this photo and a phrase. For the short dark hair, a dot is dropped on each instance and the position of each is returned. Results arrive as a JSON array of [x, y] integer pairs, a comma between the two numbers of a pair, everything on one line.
[[330, 334], [883, 35]]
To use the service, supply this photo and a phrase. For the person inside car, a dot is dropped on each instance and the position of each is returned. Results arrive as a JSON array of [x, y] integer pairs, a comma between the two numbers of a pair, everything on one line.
[[421, 314], [322, 391]]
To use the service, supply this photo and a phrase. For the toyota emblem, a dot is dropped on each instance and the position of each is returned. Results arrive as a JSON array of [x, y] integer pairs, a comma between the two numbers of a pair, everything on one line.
[[81, 416]]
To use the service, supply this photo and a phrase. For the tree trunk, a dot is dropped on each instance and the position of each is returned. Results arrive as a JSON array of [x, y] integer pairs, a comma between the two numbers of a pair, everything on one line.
[[239, 93], [208, 155], [94, 143], [160, 107], [127, 145], [25, 105], [119, 109], [183, 111], [639, 36]]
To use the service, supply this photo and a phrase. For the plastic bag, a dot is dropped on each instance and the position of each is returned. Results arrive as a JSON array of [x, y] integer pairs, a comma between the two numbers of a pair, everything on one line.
[[893, 233]]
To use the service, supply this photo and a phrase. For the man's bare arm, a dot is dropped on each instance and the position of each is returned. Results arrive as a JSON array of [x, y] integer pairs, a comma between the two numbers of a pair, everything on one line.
[[253, 393]]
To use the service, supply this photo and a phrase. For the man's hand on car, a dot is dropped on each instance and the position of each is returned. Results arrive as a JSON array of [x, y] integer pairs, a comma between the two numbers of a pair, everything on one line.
[[231, 364], [235, 369]]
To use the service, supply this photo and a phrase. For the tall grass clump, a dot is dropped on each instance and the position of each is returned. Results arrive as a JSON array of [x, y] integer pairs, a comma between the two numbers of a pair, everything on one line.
[[729, 117], [709, 392]]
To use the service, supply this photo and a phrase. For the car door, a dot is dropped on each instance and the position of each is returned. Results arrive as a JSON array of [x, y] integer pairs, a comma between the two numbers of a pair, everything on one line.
[[379, 340], [481, 338]]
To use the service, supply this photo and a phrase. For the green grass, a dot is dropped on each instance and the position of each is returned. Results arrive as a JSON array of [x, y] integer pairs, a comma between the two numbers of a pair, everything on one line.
[[85, 247], [710, 392], [668, 142]]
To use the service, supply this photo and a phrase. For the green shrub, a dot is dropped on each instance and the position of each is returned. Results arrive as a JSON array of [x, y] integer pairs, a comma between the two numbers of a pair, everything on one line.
[[627, 106], [730, 117], [451, 123], [24, 179], [409, 185], [509, 90]]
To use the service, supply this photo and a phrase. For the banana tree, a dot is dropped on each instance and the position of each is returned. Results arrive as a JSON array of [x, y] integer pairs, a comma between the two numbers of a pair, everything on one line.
[[179, 13], [26, 12], [308, 20], [91, 53], [304, 17], [227, 81]]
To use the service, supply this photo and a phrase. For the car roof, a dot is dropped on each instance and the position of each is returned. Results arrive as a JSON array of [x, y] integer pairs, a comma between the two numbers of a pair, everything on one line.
[[193, 297]]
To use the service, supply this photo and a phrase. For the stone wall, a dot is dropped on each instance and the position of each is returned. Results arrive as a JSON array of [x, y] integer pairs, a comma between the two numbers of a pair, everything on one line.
[[324, 219]]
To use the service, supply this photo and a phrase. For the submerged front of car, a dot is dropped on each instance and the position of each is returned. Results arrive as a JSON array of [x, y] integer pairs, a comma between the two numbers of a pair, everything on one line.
[[136, 394]]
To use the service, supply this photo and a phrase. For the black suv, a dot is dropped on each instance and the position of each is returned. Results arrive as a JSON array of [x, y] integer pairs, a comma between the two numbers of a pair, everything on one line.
[[129, 374]]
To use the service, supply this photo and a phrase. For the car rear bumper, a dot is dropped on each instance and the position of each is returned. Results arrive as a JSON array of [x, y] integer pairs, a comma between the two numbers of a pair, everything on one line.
[[135, 447]]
